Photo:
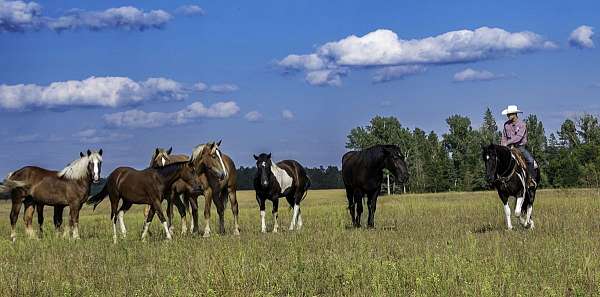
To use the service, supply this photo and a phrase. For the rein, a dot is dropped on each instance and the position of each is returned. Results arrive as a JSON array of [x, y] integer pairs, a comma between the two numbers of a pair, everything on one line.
[[504, 179]]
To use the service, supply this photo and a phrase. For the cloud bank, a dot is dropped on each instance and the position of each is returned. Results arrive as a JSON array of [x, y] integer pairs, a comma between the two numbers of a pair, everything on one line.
[[21, 16], [383, 48], [476, 75], [136, 118]]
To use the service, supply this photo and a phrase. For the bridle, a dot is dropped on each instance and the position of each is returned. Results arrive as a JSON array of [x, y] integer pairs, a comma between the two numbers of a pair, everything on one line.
[[512, 167]]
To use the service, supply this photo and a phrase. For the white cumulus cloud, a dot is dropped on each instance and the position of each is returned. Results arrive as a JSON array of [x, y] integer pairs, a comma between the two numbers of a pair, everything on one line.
[[382, 48], [98, 136], [136, 118], [476, 75], [93, 91], [582, 37], [21, 16]]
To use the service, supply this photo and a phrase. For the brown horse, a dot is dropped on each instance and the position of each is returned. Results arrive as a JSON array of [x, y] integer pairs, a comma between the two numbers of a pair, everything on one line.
[[147, 186], [37, 186], [179, 189], [217, 187]]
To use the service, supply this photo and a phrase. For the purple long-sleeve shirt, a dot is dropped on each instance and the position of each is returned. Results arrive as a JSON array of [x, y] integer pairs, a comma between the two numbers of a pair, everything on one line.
[[514, 133]]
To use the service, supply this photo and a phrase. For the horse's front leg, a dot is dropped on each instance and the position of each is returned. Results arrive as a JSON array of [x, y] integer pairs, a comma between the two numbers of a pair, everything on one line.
[[372, 204], [275, 215], [261, 206], [208, 193], [507, 212], [28, 219]]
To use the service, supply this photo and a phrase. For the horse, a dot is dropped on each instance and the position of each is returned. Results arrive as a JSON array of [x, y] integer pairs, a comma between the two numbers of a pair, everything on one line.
[[179, 189], [362, 172], [218, 186], [147, 186], [287, 179], [508, 176], [35, 186]]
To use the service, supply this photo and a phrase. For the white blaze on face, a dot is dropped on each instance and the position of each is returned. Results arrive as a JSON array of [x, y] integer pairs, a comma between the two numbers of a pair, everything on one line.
[[283, 178], [96, 169], [162, 159], [222, 164]]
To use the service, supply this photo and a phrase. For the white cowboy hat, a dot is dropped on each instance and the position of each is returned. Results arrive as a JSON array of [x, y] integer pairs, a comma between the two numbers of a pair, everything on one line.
[[511, 109]]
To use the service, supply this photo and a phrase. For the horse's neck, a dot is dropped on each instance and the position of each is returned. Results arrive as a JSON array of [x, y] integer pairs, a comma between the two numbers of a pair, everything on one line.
[[169, 174], [376, 161], [507, 160]]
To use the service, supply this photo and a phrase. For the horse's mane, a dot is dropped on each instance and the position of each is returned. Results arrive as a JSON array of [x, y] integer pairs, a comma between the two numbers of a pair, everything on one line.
[[78, 168], [197, 151]]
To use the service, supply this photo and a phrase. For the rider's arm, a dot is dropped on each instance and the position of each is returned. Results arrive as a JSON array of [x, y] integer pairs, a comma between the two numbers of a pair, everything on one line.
[[518, 133]]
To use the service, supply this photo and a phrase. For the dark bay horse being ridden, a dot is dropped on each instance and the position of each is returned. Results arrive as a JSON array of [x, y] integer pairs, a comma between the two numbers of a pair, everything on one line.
[[362, 172], [284, 179], [218, 186], [147, 186], [504, 173], [38, 186]]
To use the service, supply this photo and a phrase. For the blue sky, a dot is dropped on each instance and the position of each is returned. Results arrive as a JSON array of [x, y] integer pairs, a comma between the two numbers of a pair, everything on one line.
[[124, 64]]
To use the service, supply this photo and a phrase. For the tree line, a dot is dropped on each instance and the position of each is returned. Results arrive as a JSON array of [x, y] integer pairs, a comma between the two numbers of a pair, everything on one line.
[[569, 157]]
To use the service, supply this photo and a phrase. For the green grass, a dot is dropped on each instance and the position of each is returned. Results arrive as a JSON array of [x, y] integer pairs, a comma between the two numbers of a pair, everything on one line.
[[450, 244]]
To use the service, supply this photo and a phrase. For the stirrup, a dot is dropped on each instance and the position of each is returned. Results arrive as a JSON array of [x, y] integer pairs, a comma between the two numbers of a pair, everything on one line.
[[532, 183]]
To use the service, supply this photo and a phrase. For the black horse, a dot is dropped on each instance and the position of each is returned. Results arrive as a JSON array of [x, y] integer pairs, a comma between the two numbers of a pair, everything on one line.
[[285, 179], [509, 178], [362, 172]]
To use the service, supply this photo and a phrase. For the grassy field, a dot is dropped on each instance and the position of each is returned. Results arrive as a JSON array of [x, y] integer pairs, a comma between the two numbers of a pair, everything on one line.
[[450, 244]]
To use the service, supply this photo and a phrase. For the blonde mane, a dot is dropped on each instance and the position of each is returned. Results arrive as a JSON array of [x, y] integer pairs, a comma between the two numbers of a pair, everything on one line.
[[197, 151], [78, 168]]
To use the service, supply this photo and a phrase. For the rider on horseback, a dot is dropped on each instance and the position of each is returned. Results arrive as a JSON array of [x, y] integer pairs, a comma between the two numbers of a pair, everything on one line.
[[515, 135]]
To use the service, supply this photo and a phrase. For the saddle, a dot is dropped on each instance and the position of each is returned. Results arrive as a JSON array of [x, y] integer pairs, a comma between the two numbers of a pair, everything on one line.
[[522, 164]]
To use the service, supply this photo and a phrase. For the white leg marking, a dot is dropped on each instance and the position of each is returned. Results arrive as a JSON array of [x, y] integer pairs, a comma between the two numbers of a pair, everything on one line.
[[528, 220], [166, 226], [507, 215], [114, 232], [122, 223], [145, 229], [294, 216], [263, 224], [13, 234], [206, 229], [76, 231], [518, 206]]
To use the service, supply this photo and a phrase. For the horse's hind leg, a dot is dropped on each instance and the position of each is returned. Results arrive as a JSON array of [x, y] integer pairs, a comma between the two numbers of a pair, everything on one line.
[[28, 219], [295, 202], [40, 214], [234, 209], [114, 203], [147, 219], [220, 204], [529, 211], [57, 219], [359, 208], [182, 209], [14, 215], [122, 210], [193, 201]]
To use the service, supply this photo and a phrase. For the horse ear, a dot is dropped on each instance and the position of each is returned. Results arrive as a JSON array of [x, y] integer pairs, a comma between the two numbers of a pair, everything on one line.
[[255, 157], [81, 154], [156, 151], [100, 152], [89, 153], [219, 143], [269, 156], [170, 150]]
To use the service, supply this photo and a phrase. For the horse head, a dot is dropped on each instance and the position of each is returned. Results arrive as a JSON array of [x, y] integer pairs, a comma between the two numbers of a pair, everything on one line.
[[208, 158], [263, 166], [490, 155], [94, 165], [394, 162], [161, 157]]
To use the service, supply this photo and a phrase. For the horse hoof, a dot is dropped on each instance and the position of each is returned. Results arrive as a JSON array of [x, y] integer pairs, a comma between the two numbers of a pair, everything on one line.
[[206, 235], [236, 232], [263, 231]]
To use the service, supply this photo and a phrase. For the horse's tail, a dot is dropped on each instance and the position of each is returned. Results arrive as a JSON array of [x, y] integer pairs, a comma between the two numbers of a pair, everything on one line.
[[96, 199], [308, 183], [8, 185]]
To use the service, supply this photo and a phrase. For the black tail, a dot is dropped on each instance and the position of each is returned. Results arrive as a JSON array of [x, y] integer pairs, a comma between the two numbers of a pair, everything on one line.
[[306, 187], [96, 199]]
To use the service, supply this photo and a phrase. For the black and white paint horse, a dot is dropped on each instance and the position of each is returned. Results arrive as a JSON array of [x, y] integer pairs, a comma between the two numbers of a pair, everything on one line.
[[362, 172], [284, 179], [504, 173]]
